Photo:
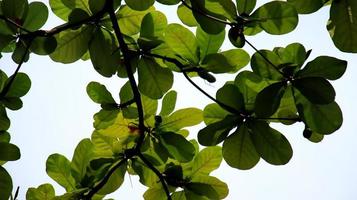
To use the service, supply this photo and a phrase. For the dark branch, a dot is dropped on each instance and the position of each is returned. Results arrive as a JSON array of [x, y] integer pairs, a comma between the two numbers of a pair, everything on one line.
[[13, 23]]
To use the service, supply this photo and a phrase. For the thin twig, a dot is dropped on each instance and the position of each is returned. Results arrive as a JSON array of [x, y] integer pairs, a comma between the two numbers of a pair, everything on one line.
[[13, 23], [12, 79], [105, 179], [205, 14]]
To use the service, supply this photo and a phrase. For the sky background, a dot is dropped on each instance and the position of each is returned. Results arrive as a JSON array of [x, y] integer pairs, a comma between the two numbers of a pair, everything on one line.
[[57, 114]]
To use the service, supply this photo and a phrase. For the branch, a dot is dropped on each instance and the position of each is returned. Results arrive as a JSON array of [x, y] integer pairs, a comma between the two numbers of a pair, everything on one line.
[[126, 104], [297, 119], [205, 14], [101, 184], [7, 87], [181, 67], [13, 23], [158, 174]]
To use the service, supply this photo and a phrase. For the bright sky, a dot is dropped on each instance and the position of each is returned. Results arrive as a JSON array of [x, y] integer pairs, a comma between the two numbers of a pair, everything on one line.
[[57, 114]]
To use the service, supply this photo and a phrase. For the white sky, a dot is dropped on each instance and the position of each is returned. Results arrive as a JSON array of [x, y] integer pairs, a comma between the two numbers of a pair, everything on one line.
[[57, 114]]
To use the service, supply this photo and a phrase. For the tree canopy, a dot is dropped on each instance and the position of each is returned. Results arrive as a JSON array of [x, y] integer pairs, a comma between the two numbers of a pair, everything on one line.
[[143, 133]]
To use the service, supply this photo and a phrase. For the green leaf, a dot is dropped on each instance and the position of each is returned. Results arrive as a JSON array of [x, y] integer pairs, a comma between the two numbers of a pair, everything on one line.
[[209, 43], [13, 103], [80, 160], [115, 181], [153, 25], [218, 186], [140, 5], [58, 167], [20, 53], [213, 113], [4, 119], [72, 44], [20, 86], [99, 93], [43, 192], [43, 45], [15, 10], [268, 100], [96, 5], [245, 6], [307, 6], [186, 16], [272, 146], [168, 103], [216, 132], [266, 69], [315, 89], [202, 189], [325, 67], [169, 2], [4, 136], [323, 119], [342, 25], [155, 194], [76, 16], [154, 80], [36, 16], [250, 84], [182, 41], [62, 8], [277, 17], [206, 161], [182, 118], [294, 53], [5, 184], [177, 146], [239, 151], [9, 152], [230, 96], [104, 146], [130, 20]]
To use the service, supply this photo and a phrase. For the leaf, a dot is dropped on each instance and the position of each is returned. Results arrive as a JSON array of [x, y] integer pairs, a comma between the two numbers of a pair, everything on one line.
[[43, 45], [325, 67], [182, 41], [276, 17], [186, 16], [272, 146], [182, 118], [104, 118], [227, 61], [36, 16], [15, 10], [58, 167], [154, 81], [245, 6], [294, 53], [324, 119], [216, 132], [80, 160], [213, 113], [266, 69], [169, 2], [104, 146], [220, 187], [99, 93], [155, 194], [177, 146], [72, 44], [139, 5], [239, 151], [307, 6], [42, 192], [209, 43], [315, 89], [62, 8], [342, 25], [153, 25], [202, 189], [21, 53], [168, 103], [5, 184], [4, 119], [115, 181], [20, 86], [9, 152], [230, 96], [206, 161], [268, 100], [130, 20]]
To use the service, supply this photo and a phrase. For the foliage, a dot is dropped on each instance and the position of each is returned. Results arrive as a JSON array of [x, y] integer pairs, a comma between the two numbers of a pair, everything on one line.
[[131, 136]]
